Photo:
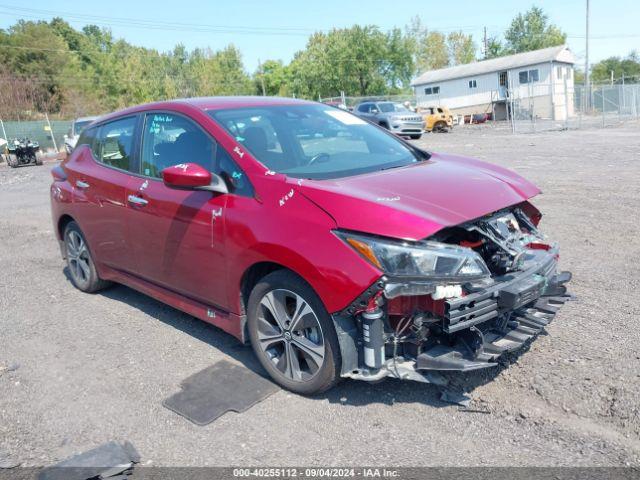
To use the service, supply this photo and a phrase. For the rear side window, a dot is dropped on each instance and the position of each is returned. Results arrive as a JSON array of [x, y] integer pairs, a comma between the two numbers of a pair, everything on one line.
[[87, 137], [114, 143]]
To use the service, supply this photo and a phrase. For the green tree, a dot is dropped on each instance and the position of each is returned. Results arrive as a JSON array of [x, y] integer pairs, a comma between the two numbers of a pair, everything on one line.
[[360, 60], [532, 31], [276, 79], [494, 48], [462, 48], [429, 48], [628, 67]]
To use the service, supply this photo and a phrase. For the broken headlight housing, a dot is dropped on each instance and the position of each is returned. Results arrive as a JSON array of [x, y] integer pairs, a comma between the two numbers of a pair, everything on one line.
[[424, 260]]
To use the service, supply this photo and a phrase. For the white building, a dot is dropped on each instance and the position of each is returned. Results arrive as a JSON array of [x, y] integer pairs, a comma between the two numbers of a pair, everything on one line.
[[537, 83]]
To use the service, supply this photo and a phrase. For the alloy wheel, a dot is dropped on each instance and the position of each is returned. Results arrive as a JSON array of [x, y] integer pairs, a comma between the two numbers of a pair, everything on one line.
[[78, 258], [290, 335]]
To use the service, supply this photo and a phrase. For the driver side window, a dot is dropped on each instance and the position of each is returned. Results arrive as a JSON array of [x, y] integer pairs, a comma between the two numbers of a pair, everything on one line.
[[171, 139]]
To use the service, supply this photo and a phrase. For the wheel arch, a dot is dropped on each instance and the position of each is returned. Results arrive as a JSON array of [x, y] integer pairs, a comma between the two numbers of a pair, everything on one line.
[[252, 275], [63, 221]]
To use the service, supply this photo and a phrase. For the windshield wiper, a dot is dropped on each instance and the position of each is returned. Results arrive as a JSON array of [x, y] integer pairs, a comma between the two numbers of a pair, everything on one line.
[[394, 166]]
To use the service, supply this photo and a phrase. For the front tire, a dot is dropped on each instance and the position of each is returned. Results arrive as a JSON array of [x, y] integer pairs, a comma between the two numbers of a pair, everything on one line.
[[292, 334], [82, 269], [416, 137], [13, 161], [440, 127]]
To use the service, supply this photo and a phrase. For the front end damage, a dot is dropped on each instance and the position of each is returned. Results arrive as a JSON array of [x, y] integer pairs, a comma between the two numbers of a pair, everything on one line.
[[410, 328]]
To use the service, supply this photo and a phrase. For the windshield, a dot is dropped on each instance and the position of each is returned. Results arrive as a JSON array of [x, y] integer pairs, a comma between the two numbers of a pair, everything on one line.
[[313, 141], [387, 107]]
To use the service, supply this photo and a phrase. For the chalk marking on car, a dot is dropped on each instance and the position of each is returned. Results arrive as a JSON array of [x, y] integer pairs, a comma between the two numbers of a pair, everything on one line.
[[284, 199], [238, 151]]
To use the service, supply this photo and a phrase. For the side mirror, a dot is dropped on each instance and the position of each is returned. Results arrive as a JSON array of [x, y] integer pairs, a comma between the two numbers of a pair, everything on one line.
[[191, 176]]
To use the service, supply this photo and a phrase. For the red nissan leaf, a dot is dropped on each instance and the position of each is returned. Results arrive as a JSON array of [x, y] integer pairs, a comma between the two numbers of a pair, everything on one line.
[[332, 246]]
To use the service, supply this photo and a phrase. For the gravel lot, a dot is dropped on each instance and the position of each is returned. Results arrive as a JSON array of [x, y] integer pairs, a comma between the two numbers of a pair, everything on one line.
[[78, 370]]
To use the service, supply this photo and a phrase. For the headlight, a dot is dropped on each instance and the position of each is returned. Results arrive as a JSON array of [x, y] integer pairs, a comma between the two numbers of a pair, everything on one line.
[[426, 259]]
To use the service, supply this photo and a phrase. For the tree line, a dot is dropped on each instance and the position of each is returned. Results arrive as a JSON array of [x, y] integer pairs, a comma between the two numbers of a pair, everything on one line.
[[52, 67]]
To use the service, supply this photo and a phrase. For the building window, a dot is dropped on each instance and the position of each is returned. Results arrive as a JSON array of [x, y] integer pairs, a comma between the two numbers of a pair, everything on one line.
[[559, 73], [529, 76], [473, 84], [523, 77], [432, 90], [533, 75]]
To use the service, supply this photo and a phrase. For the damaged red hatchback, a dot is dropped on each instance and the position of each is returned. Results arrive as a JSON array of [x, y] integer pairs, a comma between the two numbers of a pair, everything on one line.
[[335, 248]]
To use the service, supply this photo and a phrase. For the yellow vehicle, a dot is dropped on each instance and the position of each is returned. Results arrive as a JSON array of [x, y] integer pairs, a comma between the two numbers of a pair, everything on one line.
[[437, 118]]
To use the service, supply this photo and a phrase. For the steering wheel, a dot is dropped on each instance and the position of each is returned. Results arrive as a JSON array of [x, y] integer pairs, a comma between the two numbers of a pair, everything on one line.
[[317, 157]]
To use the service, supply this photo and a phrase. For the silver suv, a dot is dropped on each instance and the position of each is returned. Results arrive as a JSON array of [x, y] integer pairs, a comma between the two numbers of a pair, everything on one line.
[[392, 116]]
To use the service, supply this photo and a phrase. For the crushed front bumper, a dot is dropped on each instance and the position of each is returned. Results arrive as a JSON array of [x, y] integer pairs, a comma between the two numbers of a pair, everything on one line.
[[478, 328]]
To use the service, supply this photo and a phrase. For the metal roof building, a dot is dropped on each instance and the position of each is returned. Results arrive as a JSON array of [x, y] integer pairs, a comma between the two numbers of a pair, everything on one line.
[[541, 80]]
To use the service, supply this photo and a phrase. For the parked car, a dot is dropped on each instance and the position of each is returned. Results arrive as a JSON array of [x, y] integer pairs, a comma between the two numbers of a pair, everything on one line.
[[437, 118], [71, 138], [392, 116], [354, 254]]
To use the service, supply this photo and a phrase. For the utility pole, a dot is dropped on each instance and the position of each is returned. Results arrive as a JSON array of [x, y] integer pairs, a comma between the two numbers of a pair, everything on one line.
[[611, 77], [264, 92], [486, 44], [53, 137], [587, 84]]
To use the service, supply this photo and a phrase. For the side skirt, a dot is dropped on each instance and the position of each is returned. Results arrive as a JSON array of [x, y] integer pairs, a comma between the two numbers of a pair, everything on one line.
[[231, 323]]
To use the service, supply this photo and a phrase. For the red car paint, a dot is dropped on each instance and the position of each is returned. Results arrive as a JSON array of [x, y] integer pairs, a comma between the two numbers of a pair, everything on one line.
[[192, 249]]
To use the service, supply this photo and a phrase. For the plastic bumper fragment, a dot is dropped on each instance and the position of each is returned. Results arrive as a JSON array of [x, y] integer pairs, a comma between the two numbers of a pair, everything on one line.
[[525, 323]]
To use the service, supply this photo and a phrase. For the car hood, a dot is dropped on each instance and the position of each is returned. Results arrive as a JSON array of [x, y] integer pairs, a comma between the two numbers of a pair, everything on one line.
[[416, 201]]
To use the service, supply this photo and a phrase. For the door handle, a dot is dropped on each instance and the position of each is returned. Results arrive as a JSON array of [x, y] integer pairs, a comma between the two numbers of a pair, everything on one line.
[[139, 202], [81, 184]]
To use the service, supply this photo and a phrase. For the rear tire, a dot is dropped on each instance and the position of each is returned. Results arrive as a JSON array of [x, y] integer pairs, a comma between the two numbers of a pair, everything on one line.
[[82, 269], [292, 334], [38, 158], [13, 161]]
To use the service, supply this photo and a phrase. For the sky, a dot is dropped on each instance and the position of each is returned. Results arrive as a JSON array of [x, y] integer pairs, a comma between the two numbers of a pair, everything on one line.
[[276, 29]]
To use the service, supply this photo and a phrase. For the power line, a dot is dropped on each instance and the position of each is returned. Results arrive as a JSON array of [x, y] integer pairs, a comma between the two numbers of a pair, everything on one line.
[[155, 23]]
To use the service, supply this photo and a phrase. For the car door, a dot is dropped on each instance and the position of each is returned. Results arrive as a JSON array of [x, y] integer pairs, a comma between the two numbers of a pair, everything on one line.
[[178, 235], [99, 171], [364, 110]]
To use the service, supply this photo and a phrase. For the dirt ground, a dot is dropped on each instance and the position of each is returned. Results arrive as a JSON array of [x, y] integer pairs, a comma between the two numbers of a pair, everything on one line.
[[78, 370]]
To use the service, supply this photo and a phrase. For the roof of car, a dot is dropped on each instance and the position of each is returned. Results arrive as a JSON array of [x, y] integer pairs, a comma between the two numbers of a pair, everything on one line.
[[215, 103], [209, 103]]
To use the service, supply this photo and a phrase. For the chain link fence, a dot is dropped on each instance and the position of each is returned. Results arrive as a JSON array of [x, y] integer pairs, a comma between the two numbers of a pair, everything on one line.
[[542, 107], [38, 131], [547, 107], [351, 102]]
